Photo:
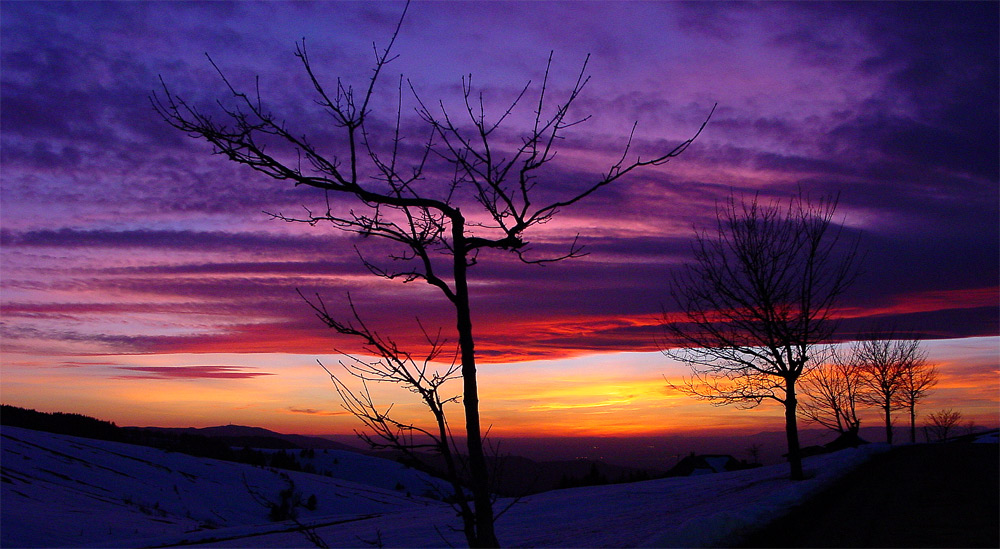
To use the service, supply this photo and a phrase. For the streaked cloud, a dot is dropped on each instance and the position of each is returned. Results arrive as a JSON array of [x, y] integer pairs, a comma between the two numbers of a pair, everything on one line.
[[121, 235], [189, 372]]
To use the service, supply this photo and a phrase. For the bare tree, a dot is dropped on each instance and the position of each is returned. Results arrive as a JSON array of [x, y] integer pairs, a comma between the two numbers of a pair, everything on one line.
[[919, 377], [884, 361], [492, 195], [756, 304], [833, 392], [941, 422]]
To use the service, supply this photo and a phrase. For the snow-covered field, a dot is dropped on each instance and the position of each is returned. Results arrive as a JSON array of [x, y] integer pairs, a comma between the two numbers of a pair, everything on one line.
[[372, 471], [66, 491]]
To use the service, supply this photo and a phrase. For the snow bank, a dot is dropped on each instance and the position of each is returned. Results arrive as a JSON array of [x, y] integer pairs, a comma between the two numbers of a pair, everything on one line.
[[71, 492], [61, 491], [726, 527]]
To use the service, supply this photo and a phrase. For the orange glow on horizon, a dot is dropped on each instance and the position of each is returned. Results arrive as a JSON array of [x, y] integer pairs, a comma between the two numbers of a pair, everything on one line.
[[611, 394]]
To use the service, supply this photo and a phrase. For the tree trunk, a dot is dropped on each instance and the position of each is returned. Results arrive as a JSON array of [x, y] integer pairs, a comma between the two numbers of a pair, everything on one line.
[[913, 424], [888, 423], [485, 536], [792, 431]]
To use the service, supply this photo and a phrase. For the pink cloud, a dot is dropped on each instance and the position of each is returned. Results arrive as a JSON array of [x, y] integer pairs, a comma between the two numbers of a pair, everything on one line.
[[189, 372]]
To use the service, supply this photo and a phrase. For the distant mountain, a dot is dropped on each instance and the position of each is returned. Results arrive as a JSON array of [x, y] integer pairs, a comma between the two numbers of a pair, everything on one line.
[[258, 437]]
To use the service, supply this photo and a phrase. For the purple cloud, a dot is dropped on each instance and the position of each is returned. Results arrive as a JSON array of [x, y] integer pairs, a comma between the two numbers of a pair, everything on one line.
[[108, 212]]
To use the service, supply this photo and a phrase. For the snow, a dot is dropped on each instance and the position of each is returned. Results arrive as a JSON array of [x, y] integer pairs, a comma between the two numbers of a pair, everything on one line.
[[991, 437], [66, 491], [717, 463], [381, 473]]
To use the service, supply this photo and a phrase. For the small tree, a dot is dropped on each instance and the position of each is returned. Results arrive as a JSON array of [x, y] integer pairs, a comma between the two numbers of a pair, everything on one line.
[[418, 375], [918, 379], [488, 194], [941, 422], [286, 507], [833, 392], [757, 302]]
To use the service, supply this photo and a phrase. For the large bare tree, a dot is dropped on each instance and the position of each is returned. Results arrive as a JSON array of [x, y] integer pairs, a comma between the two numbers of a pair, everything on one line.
[[493, 193], [756, 304]]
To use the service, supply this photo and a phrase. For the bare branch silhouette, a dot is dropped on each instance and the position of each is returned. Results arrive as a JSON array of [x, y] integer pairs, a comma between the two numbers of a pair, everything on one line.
[[884, 361], [941, 422], [834, 392], [757, 304], [919, 377], [490, 199]]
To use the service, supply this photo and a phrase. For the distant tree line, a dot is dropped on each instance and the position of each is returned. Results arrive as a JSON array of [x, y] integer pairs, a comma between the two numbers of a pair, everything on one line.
[[595, 477], [880, 370], [61, 423]]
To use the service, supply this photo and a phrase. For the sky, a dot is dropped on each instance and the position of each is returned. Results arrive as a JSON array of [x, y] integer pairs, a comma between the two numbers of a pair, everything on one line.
[[142, 282]]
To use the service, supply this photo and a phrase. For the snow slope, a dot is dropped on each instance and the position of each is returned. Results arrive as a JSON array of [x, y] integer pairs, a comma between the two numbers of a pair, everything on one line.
[[372, 471], [706, 510], [66, 491]]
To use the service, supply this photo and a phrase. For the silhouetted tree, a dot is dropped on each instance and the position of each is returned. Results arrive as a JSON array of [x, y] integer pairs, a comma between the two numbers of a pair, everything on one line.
[[757, 302], [941, 422], [918, 378], [884, 361], [833, 392], [490, 197]]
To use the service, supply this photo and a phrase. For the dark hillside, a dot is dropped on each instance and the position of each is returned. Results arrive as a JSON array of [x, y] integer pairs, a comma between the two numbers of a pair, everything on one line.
[[61, 423], [926, 495], [257, 437], [240, 445]]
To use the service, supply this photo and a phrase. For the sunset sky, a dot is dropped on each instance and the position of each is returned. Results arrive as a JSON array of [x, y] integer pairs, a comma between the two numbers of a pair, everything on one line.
[[142, 283]]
